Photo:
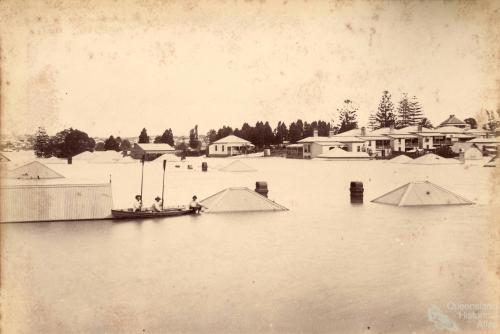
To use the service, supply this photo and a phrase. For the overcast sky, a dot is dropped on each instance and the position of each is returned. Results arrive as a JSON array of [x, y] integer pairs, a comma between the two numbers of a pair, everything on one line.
[[114, 67]]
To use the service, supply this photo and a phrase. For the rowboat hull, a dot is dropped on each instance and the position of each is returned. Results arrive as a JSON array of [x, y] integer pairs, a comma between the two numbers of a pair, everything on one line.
[[125, 214]]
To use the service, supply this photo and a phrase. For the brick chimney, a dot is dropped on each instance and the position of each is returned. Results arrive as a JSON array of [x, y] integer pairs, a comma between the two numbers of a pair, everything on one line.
[[315, 132], [419, 128], [331, 133], [391, 128], [363, 131]]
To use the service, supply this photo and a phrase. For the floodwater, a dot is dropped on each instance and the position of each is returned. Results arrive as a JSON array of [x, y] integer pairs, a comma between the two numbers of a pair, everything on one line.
[[325, 266]]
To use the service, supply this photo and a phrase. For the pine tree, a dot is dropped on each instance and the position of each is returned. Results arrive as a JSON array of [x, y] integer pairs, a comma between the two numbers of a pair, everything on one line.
[[42, 144], [280, 133], [348, 116], [404, 113], [385, 115], [416, 114], [143, 137]]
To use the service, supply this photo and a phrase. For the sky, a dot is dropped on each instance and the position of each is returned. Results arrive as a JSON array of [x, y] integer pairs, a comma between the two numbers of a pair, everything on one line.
[[114, 67]]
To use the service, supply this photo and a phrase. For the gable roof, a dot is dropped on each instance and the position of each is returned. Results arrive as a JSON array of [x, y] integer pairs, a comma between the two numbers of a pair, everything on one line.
[[232, 139], [421, 193], [452, 120], [34, 170], [318, 139], [237, 166], [450, 129], [240, 199]]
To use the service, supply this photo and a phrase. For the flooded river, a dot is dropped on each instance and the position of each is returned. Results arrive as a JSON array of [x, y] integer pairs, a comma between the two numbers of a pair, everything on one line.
[[324, 266]]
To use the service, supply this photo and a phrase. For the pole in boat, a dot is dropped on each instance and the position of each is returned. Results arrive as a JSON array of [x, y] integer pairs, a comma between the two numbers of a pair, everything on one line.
[[142, 174], [163, 186]]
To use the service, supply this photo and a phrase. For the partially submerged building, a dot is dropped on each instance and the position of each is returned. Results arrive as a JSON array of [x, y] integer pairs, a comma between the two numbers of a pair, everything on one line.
[[420, 194], [150, 151], [240, 199], [338, 153], [229, 146], [34, 170], [237, 166]]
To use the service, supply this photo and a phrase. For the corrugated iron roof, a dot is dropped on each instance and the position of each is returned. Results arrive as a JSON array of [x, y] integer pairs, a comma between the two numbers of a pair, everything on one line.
[[240, 199], [30, 203], [421, 193], [156, 147], [232, 139], [452, 120], [34, 170], [237, 166]]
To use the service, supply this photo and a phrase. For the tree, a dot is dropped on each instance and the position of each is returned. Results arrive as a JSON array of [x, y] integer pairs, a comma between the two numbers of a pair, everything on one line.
[[296, 131], [416, 114], [224, 132], [70, 142], [385, 115], [404, 112], [280, 133], [143, 137], [42, 144], [425, 123], [472, 122], [157, 140], [347, 116], [99, 146], [194, 143], [492, 123], [211, 136], [111, 144], [167, 137], [125, 145], [267, 135]]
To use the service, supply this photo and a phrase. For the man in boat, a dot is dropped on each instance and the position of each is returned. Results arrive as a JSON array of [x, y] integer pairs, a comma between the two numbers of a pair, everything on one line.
[[138, 203], [195, 206], [157, 205]]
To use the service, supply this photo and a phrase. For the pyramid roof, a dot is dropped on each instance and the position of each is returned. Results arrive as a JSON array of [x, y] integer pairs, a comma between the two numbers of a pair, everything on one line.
[[237, 166], [401, 159], [432, 159], [240, 199], [34, 170], [452, 120], [421, 193], [169, 157], [340, 154]]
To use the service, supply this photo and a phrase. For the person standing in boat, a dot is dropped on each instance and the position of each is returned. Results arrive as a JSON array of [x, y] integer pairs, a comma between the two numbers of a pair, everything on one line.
[[138, 203], [195, 206], [157, 205]]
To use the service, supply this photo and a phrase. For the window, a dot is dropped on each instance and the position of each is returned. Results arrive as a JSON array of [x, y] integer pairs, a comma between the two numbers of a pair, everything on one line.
[[215, 148], [222, 148], [359, 148]]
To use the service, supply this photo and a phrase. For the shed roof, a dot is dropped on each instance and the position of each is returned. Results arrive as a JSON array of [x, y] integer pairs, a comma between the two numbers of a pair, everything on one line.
[[419, 194], [55, 202], [240, 199], [232, 139], [34, 170]]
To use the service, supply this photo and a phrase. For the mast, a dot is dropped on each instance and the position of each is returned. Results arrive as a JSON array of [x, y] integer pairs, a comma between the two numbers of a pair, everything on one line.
[[163, 186], [142, 175]]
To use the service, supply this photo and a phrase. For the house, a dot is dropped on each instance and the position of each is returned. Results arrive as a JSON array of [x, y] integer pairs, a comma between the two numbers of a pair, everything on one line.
[[488, 145], [376, 142], [229, 146], [150, 151], [315, 145], [454, 121]]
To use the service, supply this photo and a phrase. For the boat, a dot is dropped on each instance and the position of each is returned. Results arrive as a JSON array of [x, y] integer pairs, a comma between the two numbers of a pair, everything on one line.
[[170, 212]]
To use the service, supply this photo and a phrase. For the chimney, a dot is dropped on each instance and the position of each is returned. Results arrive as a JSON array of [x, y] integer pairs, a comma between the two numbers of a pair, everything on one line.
[[363, 131], [331, 133], [419, 128], [315, 132], [391, 128]]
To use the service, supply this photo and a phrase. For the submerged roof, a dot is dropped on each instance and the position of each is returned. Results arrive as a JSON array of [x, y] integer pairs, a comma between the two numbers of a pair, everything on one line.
[[240, 199], [3, 158], [34, 170], [401, 159], [432, 159], [156, 147], [55, 202], [340, 154], [421, 193], [232, 139], [237, 166]]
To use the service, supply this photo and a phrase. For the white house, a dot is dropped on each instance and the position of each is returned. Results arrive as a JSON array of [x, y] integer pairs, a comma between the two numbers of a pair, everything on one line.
[[229, 146]]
